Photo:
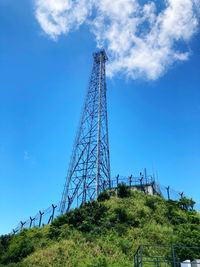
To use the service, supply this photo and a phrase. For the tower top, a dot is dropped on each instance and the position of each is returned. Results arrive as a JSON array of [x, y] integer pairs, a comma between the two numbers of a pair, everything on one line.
[[102, 54]]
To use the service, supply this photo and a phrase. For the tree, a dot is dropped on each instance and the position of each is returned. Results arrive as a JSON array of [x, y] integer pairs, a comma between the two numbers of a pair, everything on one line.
[[123, 191], [103, 196]]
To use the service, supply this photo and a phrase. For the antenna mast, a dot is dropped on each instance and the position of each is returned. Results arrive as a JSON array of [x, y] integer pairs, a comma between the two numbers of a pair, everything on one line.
[[89, 170]]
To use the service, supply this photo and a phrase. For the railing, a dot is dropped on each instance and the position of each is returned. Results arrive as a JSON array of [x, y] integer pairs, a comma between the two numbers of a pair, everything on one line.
[[149, 256]]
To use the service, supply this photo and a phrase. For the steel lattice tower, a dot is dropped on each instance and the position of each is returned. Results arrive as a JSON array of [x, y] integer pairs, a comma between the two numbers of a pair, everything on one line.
[[89, 170]]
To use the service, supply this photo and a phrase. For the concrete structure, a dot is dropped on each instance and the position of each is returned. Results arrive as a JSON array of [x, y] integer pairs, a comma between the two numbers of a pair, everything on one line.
[[148, 189], [186, 263], [196, 263]]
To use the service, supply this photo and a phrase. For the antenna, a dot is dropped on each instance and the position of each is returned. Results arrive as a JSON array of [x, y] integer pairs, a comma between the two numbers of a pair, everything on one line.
[[89, 169]]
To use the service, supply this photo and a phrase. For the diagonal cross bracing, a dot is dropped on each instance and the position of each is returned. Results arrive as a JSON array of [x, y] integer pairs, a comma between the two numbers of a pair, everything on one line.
[[89, 169]]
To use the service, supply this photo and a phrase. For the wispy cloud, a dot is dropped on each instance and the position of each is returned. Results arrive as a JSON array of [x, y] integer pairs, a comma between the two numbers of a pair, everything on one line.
[[141, 40], [26, 155]]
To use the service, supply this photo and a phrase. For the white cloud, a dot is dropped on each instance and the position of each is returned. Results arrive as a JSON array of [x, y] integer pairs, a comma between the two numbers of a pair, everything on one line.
[[140, 40], [60, 16]]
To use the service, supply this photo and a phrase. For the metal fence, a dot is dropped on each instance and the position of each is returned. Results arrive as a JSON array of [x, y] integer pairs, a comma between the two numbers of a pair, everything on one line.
[[39, 220], [139, 182], [149, 256]]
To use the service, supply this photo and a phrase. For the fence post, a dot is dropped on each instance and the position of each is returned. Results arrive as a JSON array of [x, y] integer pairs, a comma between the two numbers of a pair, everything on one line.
[[41, 213], [117, 180], [145, 175], [181, 194], [130, 180], [54, 207], [14, 231], [168, 192], [141, 255], [52, 216], [141, 185], [157, 262], [32, 219], [22, 225], [173, 257]]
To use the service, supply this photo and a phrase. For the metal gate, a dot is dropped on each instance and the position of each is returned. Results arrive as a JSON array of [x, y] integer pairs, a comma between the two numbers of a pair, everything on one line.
[[149, 256]]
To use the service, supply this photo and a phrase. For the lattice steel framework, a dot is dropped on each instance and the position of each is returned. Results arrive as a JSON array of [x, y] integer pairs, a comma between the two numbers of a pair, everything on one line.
[[89, 170]]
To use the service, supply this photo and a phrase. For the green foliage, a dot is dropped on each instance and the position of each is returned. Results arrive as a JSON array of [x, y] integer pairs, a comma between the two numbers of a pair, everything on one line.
[[19, 249], [194, 217], [4, 243], [106, 233], [125, 245], [103, 196], [112, 193], [123, 191], [151, 203], [121, 214], [186, 204], [85, 218], [188, 235]]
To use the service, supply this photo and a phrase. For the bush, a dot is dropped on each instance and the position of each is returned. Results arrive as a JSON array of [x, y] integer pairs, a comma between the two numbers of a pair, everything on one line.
[[21, 248], [121, 214], [4, 243], [112, 193], [103, 196], [123, 191], [125, 246], [84, 218], [186, 204], [151, 203]]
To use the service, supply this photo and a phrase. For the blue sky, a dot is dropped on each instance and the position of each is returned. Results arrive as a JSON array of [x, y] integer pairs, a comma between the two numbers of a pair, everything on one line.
[[154, 111]]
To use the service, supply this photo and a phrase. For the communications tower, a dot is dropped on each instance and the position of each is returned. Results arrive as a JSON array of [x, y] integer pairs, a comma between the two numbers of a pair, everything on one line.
[[89, 169]]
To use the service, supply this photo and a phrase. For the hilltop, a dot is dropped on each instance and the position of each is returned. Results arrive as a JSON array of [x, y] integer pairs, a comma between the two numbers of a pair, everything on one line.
[[106, 232]]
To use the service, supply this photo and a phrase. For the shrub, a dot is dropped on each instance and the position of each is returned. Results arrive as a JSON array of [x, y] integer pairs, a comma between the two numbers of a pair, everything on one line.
[[103, 196], [186, 204], [125, 245], [150, 202], [60, 220], [188, 235], [194, 218], [4, 243], [112, 193], [21, 248], [123, 191], [84, 218], [85, 226], [121, 229], [121, 214]]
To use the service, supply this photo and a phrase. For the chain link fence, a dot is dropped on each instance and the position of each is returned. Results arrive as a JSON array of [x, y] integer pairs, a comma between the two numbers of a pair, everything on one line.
[[141, 182]]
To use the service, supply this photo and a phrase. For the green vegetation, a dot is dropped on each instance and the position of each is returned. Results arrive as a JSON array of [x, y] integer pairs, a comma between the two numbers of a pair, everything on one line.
[[103, 196], [106, 232], [123, 191]]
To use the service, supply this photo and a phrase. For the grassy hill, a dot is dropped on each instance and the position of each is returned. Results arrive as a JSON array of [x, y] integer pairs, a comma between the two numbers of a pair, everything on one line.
[[105, 232]]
